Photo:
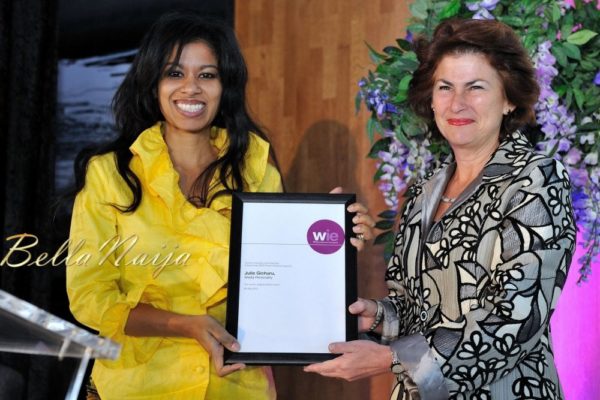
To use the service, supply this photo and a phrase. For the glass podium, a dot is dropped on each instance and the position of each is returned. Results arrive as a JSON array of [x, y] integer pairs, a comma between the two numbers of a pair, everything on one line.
[[27, 329]]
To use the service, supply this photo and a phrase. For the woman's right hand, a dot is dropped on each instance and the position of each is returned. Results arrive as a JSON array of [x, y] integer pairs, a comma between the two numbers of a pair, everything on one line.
[[214, 338], [366, 311], [145, 320]]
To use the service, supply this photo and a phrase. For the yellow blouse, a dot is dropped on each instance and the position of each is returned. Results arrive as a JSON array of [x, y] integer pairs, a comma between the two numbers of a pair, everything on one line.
[[167, 253]]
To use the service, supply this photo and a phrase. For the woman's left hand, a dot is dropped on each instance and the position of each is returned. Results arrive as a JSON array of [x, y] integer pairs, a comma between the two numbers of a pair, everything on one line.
[[359, 359], [363, 223]]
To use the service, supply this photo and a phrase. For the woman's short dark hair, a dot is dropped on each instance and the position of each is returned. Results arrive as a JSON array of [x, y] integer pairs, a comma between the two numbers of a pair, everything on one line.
[[503, 50], [136, 105]]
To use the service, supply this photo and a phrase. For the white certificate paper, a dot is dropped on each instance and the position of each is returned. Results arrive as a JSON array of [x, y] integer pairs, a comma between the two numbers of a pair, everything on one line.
[[291, 279]]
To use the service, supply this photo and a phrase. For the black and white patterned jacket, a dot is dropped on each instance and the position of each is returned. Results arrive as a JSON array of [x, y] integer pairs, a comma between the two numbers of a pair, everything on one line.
[[471, 295]]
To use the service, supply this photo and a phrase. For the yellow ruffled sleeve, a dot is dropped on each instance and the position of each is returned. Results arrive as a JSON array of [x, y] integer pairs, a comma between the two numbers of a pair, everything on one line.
[[93, 278], [260, 174], [271, 181]]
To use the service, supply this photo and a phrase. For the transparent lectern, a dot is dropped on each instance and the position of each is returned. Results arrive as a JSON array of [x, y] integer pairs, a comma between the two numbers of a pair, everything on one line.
[[25, 328]]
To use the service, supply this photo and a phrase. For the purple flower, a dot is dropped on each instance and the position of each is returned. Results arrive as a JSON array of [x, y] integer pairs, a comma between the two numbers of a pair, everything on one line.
[[409, 36], [540, 11], [482, 8], [579, 177], [389, 107], [376, 100], [400, 164], [573, 156], [597, 79], [483, 14], [557, 123], [564, 145], [489, 4], [579, 198]]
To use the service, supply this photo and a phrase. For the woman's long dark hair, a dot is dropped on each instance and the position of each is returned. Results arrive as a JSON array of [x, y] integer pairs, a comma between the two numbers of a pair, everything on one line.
[[136, 107]]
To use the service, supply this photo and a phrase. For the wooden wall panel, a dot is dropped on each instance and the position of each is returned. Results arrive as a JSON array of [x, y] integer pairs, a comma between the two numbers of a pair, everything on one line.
[[305, 58]]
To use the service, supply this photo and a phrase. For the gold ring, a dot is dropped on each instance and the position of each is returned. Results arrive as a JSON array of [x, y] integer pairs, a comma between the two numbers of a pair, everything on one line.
[[360, 236]]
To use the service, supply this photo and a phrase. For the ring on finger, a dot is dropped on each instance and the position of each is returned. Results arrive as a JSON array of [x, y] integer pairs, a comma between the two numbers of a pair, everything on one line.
[[361, 236]]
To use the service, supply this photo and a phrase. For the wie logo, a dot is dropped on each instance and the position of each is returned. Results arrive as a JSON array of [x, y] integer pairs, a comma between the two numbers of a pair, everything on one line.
[[325, 236]]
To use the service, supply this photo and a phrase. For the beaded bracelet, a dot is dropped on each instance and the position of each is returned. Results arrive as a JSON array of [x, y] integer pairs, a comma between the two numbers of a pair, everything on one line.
[[395, 360], [378, 316]]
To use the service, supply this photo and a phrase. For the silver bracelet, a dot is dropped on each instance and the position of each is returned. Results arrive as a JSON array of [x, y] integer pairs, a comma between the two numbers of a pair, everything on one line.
[[378, 316], [395, 360]]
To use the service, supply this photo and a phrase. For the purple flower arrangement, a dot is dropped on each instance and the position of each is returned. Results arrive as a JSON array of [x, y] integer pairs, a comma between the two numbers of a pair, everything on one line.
[[560, 130]]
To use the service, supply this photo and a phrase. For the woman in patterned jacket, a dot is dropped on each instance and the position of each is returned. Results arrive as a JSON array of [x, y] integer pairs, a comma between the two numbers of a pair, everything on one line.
[[484, 242]]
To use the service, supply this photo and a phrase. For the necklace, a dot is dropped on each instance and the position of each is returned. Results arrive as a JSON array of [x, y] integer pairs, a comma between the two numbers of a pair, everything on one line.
[[448, 199]]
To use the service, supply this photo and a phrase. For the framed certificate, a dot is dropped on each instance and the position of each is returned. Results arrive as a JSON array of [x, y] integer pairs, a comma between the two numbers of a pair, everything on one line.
[[292, 276]]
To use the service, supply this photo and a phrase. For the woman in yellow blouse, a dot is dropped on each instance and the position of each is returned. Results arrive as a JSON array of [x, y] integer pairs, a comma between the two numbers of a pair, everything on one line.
[[151, 220]]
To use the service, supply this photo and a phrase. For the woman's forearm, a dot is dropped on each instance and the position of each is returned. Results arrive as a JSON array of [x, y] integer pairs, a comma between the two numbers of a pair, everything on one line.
[[145, 320]]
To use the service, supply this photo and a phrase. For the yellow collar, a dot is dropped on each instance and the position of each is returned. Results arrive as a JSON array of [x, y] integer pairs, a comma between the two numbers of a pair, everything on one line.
[[158, 171]]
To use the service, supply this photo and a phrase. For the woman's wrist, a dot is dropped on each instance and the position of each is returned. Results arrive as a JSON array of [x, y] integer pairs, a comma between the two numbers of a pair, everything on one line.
[[182, 325], [395, 359], [378, 316], [146, 320], [388, 358]]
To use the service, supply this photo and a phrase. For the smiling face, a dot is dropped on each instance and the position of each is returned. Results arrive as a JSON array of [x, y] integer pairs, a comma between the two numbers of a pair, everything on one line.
[[189, 91], [468, 101]]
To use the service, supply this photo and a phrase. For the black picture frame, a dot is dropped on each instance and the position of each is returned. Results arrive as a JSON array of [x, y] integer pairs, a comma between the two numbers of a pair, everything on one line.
[[239, 202]]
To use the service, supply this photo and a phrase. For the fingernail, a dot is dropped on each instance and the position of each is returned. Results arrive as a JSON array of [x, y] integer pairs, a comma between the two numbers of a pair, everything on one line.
[[235, 346]]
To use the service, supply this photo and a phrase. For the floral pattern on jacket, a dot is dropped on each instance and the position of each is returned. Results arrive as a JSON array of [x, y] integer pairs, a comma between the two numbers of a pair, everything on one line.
[[479, 285]]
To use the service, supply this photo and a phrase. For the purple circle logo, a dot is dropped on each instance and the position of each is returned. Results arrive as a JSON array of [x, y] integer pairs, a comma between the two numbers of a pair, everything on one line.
[[325, 236]]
